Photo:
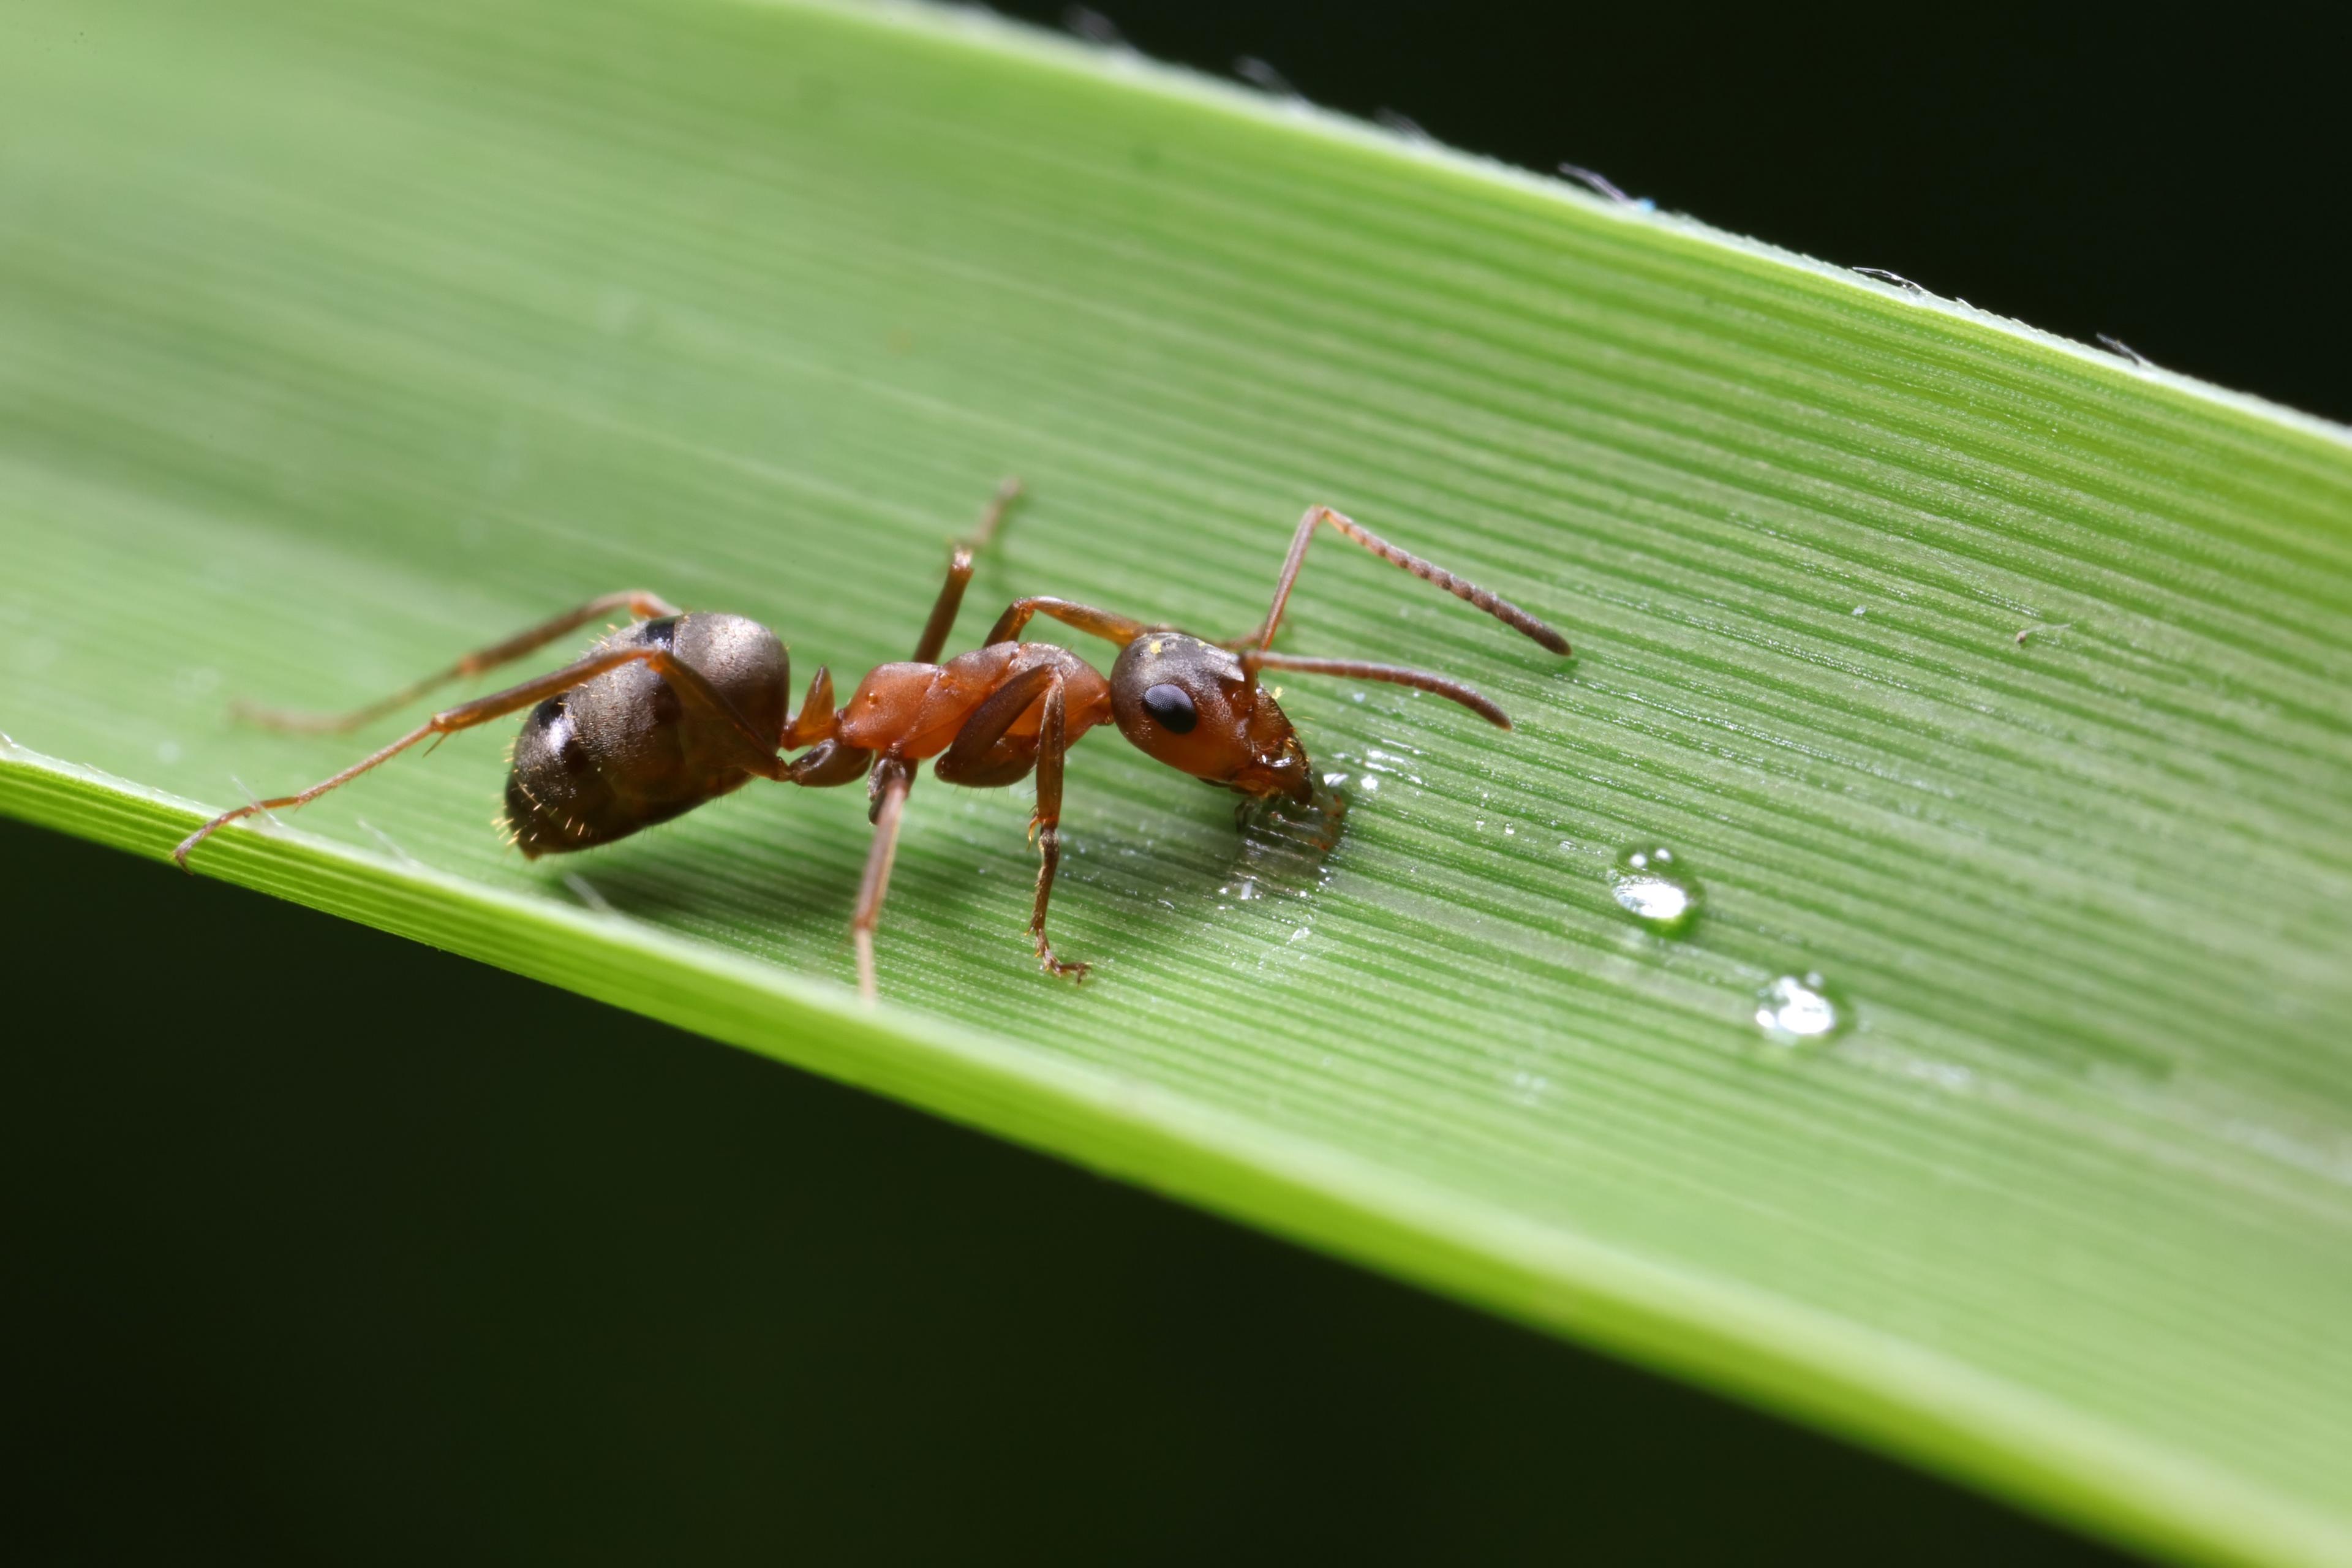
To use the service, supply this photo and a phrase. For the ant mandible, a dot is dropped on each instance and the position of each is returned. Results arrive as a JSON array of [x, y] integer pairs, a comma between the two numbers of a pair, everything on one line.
[[678, 708]]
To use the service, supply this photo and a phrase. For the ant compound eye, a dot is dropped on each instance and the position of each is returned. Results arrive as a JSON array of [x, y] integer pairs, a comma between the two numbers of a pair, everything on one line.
[[1171, 708]]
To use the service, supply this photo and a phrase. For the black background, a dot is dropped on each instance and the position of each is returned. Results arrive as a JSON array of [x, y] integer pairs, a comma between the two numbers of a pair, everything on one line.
[[324, 1245], [2172, 176], [321, 1245]]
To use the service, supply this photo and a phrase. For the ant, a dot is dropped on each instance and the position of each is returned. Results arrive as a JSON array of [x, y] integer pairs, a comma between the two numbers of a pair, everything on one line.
[[677, 709]]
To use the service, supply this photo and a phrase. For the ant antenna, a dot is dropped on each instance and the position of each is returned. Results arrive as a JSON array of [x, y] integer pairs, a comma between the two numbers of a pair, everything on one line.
[[1254, 660]]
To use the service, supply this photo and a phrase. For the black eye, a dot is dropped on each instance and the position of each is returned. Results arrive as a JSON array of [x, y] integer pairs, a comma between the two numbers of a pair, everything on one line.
[[1171, 708]]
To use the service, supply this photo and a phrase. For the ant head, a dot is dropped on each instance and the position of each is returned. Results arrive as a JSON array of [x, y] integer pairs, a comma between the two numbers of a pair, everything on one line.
[[1189, 704]]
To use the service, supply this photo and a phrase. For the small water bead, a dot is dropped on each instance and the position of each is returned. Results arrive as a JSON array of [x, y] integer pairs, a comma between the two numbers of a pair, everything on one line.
[[1793, 1010], [1652, 888]]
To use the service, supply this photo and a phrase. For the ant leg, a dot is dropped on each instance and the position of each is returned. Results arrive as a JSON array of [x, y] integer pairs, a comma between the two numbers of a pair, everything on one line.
[[496, 705], [960, 560], [827, 764], [892, 779], [1120, 629], [983, 754], [641, 605], [1453, 690], [1502, 609], [1046, 823]]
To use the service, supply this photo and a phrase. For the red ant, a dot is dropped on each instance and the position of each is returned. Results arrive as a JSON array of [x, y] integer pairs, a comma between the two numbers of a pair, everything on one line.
[[678, 708]]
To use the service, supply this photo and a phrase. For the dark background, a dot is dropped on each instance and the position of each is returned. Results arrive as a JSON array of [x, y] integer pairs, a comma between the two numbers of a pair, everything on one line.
[[2172, 176], [322, 1246]]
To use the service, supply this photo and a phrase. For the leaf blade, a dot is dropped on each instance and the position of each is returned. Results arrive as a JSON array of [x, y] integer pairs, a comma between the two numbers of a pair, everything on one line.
[[753, 305]]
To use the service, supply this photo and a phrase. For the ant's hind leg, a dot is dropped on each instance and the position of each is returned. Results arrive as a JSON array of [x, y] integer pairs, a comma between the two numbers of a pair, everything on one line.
[[641, 605], [496, 705]]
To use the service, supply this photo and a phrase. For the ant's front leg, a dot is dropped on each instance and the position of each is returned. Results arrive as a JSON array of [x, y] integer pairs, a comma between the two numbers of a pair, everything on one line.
[[1046, 821], [984, 754]]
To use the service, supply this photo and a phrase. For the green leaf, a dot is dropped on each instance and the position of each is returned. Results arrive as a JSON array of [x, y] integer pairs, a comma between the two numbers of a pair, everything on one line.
[[336, 340]]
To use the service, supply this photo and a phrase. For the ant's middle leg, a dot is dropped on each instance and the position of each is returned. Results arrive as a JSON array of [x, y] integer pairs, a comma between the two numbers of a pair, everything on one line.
[[758, 756], [893, 777], [641, 605], [981, 757], [960, 565]]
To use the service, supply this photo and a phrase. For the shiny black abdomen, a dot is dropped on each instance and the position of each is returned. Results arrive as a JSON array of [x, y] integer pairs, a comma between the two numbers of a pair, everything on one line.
[[624, 751]]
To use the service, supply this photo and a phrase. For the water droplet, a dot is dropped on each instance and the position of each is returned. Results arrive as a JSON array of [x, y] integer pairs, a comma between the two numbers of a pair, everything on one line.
[[1652, 888], [1792, 1011]]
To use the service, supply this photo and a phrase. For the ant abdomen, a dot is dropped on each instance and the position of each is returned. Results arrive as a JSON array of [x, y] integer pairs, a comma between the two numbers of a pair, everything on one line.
[[625, 750]]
